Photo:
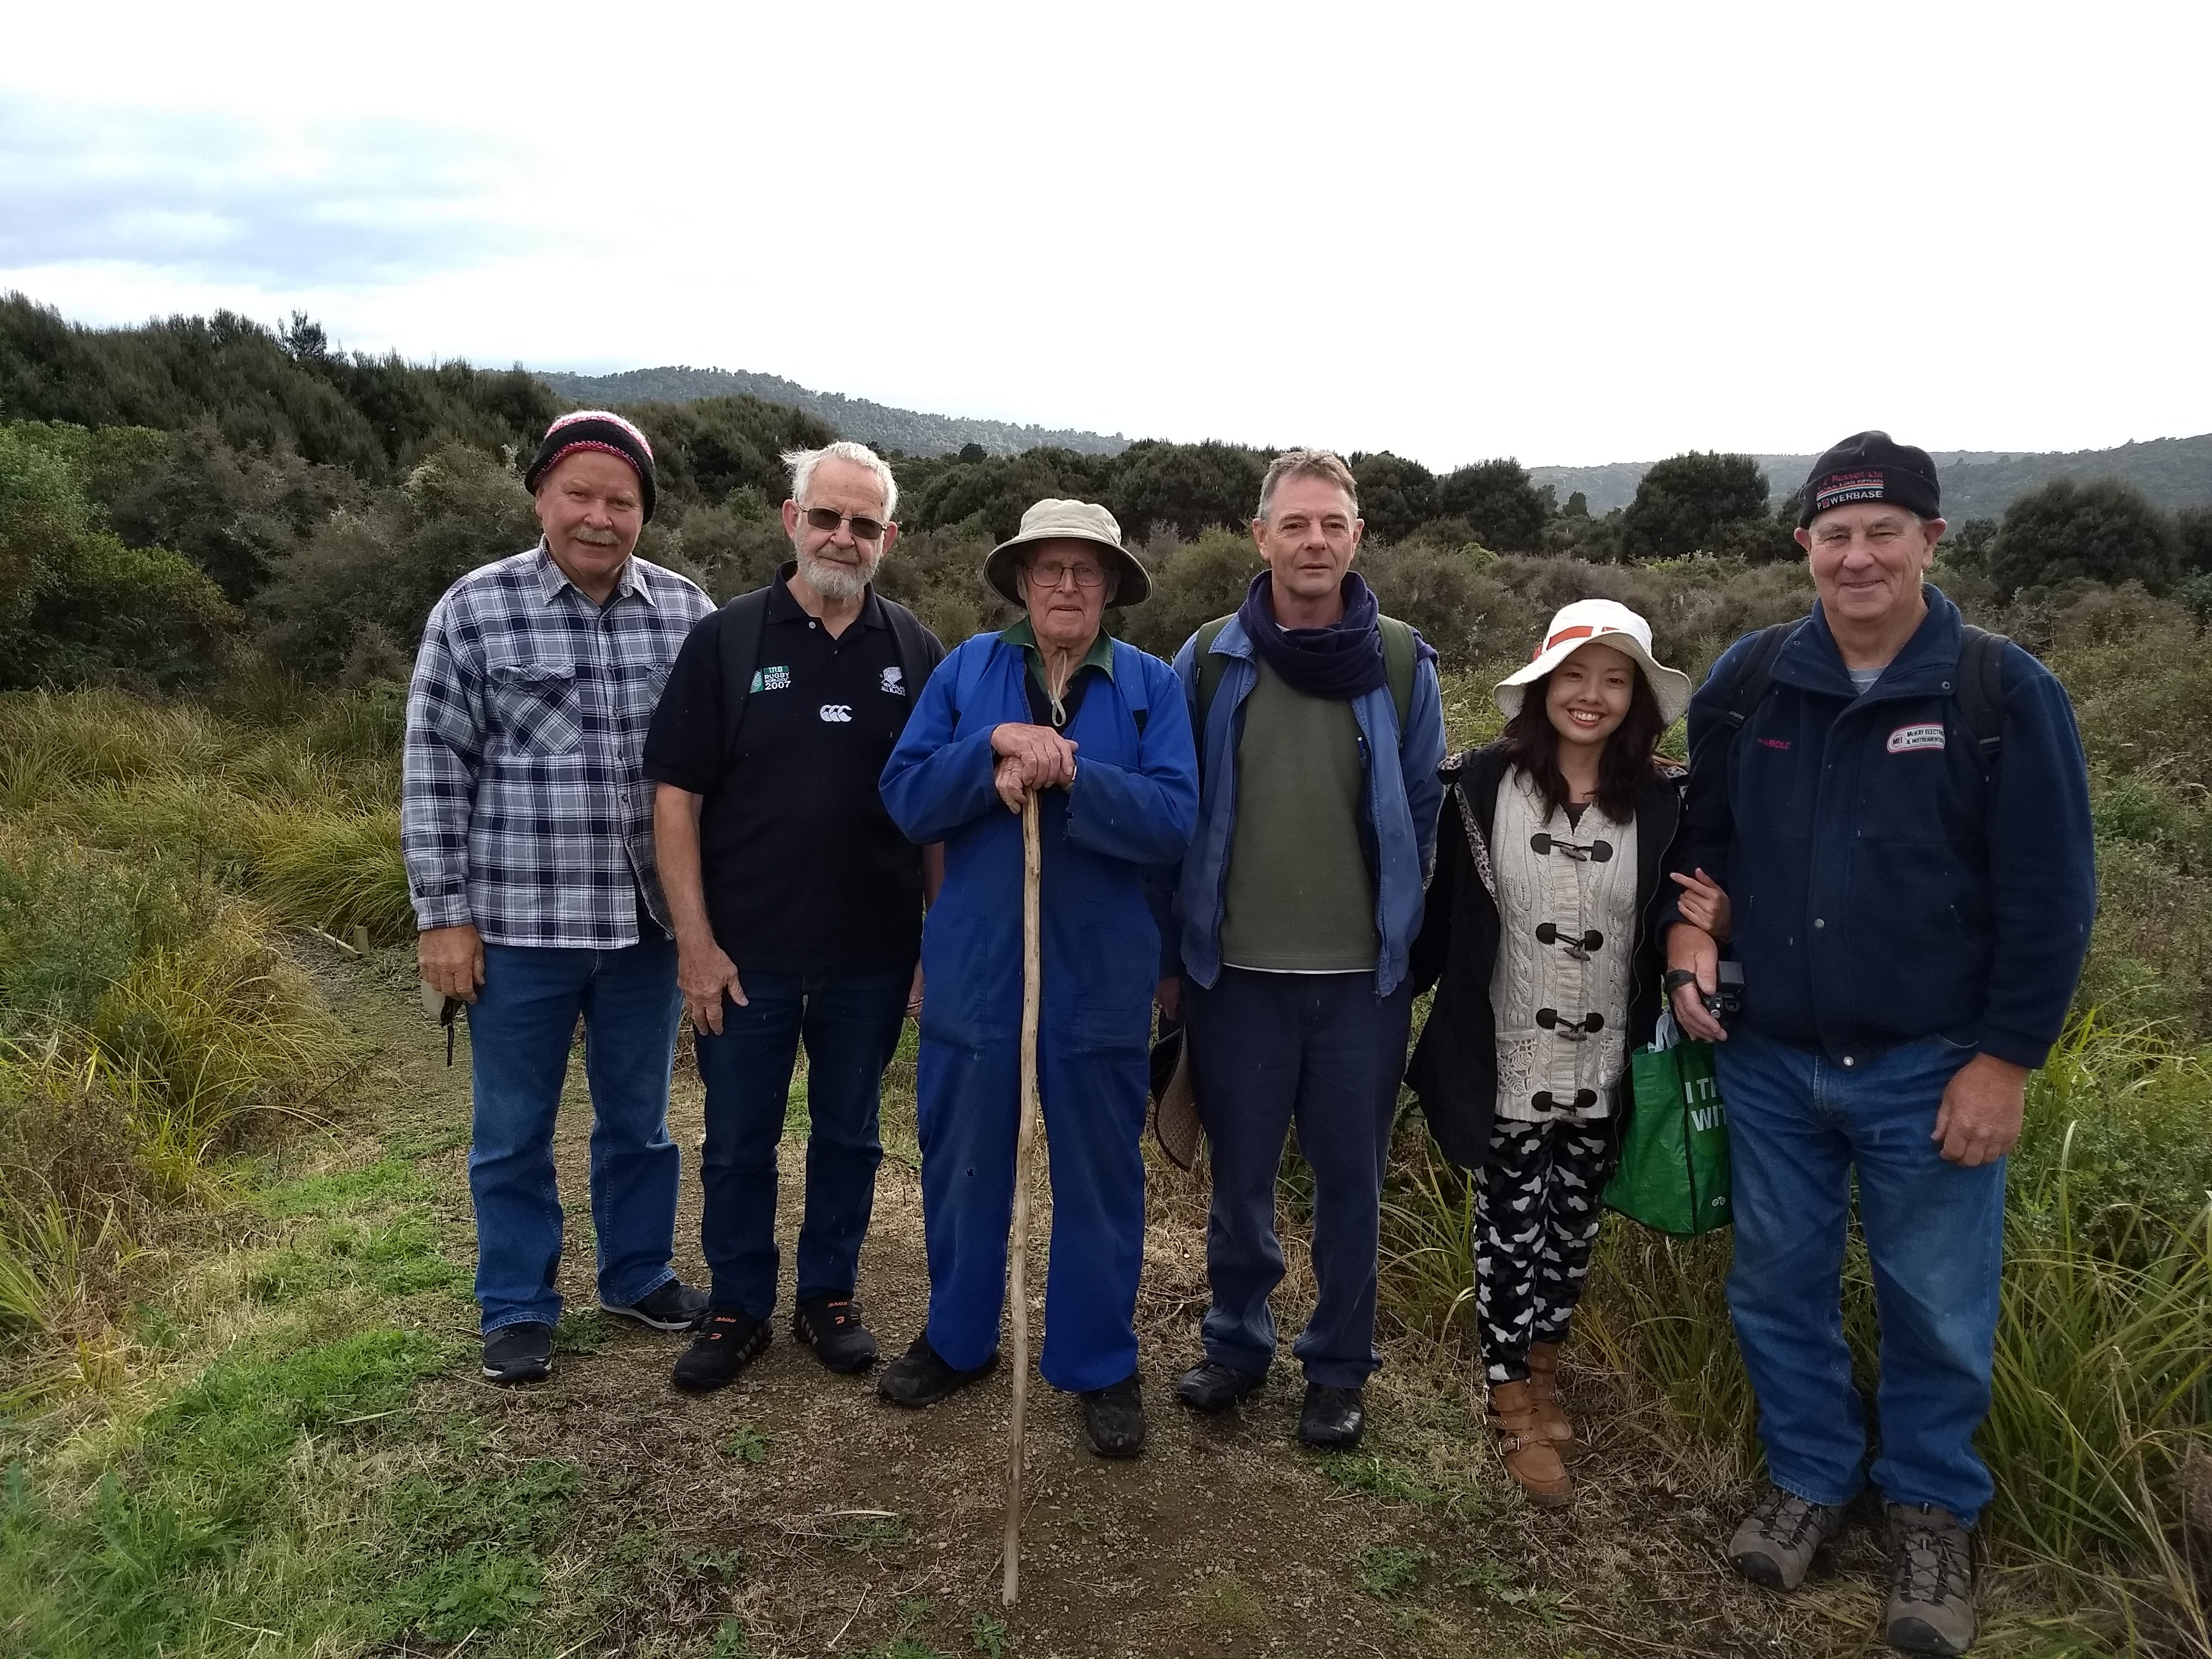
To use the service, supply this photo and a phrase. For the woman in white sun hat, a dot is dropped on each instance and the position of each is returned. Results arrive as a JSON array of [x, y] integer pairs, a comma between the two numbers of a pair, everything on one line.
[[1537, 942]]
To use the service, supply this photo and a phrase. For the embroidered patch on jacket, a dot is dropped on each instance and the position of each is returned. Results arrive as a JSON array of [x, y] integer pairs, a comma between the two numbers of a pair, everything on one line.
[[776, 678], [1774, 742], [1839, 489], [895, 681], [1907, 738]]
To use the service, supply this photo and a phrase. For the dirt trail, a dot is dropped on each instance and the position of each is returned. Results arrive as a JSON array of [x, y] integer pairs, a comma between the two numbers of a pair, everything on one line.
[[826, 1521]]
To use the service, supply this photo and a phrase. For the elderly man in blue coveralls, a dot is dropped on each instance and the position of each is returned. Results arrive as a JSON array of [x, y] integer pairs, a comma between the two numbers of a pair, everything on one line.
[[1051, 705]]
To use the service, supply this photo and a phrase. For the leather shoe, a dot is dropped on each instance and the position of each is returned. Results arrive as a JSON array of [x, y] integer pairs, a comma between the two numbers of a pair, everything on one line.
[[1333, 1419], [1213, 1387], [1114, 1418]]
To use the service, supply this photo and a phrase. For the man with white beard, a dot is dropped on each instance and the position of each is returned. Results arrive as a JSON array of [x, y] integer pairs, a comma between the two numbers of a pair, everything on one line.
[[796, 901]]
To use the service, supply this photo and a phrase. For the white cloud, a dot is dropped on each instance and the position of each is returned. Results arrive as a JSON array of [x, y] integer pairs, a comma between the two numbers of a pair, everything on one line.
[[1577, 233]]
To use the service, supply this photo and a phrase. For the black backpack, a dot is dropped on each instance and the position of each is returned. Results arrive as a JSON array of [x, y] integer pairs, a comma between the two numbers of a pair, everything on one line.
[[1980, 688], [745, 621]]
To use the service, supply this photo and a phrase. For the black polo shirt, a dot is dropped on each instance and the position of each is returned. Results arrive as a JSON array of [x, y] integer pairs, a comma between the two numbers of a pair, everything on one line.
[[804, 872]]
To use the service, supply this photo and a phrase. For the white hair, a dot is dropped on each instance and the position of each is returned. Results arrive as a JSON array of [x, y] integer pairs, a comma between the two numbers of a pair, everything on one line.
[[802, 463]]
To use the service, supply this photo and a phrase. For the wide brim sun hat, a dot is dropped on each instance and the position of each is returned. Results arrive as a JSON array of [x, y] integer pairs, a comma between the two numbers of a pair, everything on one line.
[[1052, 519], [1175, 1124], [1602, 622]]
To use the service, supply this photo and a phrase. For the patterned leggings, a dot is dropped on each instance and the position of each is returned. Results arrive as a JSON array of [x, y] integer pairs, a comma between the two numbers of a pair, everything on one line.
[[1538, 1217]]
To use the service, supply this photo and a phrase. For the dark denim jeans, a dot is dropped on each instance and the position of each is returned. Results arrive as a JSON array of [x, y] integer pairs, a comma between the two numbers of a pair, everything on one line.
[[1324, 1051], [520, 1027], [850, 1024], [1800, 1125]]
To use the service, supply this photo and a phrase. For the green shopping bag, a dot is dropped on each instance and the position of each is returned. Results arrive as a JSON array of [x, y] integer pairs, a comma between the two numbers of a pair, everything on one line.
[[1674, 1173]]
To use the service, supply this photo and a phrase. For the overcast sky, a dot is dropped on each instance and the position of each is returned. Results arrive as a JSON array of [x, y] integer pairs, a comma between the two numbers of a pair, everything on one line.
[[1571, 233]]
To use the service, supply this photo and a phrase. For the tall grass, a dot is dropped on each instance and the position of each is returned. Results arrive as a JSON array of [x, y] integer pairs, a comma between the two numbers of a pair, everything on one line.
[[2103, 1385], [150, 1018]]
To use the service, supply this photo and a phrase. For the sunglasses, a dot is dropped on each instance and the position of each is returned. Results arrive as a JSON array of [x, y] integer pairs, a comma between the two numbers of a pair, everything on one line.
[[827, 520]]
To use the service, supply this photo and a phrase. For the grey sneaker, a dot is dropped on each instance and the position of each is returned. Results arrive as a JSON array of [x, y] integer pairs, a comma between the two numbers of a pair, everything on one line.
[[1931, 1581], [1777, 1541]]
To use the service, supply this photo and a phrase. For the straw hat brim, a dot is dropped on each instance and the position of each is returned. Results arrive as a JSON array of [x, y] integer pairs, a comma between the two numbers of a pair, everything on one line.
[[1670, 687], [1175, 1124], [1135, 588]]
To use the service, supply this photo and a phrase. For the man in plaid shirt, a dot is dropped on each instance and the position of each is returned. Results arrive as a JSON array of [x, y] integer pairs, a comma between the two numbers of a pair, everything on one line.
[[527, 827]]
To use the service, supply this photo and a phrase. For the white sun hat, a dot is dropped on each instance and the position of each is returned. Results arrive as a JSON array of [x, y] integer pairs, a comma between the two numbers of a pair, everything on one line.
[[1604, 622]]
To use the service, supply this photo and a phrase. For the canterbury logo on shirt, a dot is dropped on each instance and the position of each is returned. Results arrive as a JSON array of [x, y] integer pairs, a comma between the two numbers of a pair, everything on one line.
[[837, 713]]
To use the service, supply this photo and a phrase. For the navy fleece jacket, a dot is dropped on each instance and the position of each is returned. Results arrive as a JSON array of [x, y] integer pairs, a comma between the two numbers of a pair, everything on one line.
[[1882, 891]]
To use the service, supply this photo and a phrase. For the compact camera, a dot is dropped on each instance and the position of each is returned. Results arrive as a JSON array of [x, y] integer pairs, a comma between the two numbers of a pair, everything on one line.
[[1726, 998]]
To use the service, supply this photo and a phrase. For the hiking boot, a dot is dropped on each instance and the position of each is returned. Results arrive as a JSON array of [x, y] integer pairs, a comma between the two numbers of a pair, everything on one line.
[[1210, 1386], [1777, 1541], [919, 1377], [672, 1305], [1551, 1422], [1530, 1457], [1931, 1581], [1114, 1418], [1332, 1419], [832, 1326], [729, 1340], [519, 1353]]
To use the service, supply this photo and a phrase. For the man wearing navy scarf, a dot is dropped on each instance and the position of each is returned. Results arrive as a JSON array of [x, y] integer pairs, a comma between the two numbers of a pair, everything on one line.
[[1319, 733]]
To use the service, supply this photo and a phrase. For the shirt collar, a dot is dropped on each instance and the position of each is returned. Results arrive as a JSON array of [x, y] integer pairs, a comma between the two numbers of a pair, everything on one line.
[[1100, 656], [551, 579], [783, 605]]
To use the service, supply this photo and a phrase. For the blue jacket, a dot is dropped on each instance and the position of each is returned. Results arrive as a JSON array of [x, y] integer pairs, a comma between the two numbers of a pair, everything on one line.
[[1132, 805], [1399, 832], [1882, 891]]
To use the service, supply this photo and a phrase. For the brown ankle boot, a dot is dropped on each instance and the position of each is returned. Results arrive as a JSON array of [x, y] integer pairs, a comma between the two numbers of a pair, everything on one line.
[[1544, 1387], [1530, 1457]]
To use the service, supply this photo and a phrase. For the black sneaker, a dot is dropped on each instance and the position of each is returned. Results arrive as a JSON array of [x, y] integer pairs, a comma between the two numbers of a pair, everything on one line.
[[674, 1306], [729, 1340], [519, 1353], [1114, 1418], [1333, 1419], [832, 1326], [1211, 1386], [918, 1377]]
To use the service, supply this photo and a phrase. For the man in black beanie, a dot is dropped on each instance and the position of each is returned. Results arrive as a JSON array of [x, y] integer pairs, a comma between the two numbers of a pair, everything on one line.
[[527, 826], [1897, 807]]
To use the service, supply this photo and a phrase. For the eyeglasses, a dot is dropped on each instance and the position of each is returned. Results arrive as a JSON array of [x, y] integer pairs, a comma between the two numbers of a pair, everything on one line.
[[827, 518], [1050, 576]]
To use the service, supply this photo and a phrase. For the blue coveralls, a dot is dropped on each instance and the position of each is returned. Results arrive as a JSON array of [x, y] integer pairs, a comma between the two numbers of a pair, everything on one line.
[[1133, 804]]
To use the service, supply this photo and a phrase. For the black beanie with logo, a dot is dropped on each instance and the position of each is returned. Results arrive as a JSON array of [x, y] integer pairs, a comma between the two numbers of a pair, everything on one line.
[[1869, 466]]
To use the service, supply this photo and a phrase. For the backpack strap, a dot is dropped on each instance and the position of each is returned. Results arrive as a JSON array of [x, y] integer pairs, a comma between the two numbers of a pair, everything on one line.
[[1129, 681], [745, 620], [1981, 689], [1210, 670], [1399, 659], [1755, 678]]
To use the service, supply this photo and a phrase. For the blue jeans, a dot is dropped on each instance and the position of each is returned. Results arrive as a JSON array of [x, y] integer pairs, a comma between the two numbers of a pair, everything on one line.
[[519, 1030], [850, 1024], [1324, 1051], [1799, 1125]]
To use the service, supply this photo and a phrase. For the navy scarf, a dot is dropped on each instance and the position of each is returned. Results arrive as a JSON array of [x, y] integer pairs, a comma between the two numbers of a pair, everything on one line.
[[1343, 661]]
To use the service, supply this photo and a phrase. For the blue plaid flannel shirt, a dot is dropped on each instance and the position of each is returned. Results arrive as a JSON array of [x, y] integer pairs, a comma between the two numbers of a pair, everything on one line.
[[523, 806]]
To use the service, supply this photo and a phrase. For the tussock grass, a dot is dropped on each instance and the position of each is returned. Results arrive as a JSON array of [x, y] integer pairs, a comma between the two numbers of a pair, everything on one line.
[[2103, 1389]]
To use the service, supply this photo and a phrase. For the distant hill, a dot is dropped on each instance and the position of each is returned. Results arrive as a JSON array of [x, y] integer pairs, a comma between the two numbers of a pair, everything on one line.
[[876, 424], [1976, 483]]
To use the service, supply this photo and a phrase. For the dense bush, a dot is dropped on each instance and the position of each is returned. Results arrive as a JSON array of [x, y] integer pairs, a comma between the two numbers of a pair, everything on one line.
[[1696, 502], [2102, 530], [77, 604], [1496, 502]]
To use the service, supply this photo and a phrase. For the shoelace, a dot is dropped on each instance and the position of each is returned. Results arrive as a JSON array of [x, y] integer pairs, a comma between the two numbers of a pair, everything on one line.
[[1785, 1518], [1930, 1566]]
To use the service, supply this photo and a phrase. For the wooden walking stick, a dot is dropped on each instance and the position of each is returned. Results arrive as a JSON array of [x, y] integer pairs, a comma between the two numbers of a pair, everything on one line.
[[1025, 1142]]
